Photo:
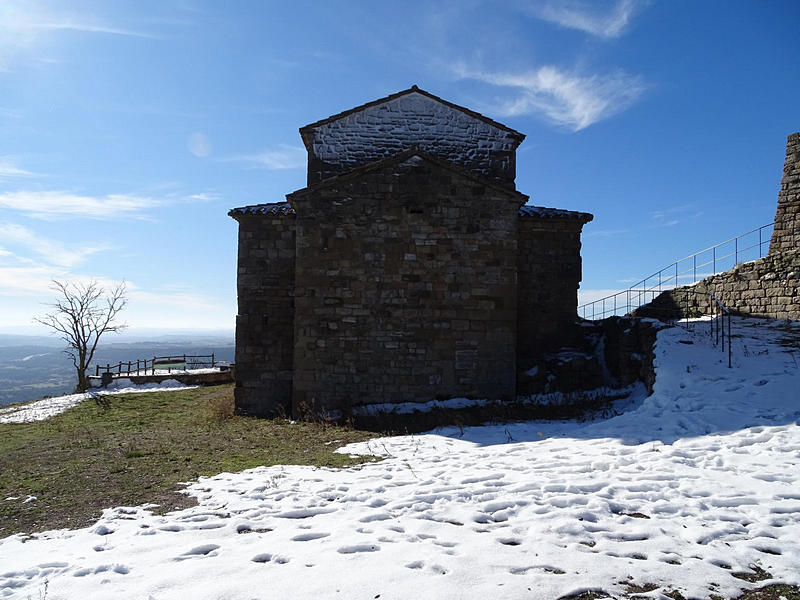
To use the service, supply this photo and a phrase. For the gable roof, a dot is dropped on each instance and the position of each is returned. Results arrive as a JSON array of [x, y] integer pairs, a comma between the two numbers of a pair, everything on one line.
[[401, 157], [306, 130]]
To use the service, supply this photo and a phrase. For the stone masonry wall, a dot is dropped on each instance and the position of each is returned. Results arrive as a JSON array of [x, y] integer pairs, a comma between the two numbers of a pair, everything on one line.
[[767, 287], [786, 234], [406, 289], [383, 130], [549, 267], [763, 288], [264, 323]]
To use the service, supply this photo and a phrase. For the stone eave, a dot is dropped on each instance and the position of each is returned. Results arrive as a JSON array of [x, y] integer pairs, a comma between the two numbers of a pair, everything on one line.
[[271, 209], [397, 159], [306, 131], [543, 212]]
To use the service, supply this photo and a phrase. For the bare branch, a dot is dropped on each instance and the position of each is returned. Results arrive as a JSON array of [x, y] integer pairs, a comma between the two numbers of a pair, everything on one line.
[[81, 314]]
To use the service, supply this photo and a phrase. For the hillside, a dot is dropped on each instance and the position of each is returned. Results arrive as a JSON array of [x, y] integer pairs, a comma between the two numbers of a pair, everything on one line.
[[690, 492], [35, 366]]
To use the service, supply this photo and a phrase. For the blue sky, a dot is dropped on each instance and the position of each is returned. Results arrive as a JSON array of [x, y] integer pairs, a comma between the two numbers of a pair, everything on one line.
[[128, 129]]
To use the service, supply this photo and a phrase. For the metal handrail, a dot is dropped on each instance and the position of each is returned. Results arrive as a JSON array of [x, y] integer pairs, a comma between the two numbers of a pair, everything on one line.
[[645, 290], [723, 312]]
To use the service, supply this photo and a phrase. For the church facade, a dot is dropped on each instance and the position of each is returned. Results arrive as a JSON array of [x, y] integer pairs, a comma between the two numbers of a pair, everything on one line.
[[409, 270]]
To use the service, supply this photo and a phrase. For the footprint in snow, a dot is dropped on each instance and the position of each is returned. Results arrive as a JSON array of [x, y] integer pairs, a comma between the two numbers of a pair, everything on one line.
[[198, 551], [419, 564], [510, 541], [102, 530], [307, 537], [382, 516], [356, 548], [265, 558], [116, 568]]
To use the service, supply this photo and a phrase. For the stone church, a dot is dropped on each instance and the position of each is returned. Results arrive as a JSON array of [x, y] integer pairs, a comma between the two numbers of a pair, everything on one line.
[[409, 270]]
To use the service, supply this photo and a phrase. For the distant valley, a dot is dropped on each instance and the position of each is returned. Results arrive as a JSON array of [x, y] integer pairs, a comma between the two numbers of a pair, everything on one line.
[[35, 366]]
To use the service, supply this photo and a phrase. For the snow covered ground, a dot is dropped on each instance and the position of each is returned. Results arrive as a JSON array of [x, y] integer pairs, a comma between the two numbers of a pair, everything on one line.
[[43, 409], [688, 486]]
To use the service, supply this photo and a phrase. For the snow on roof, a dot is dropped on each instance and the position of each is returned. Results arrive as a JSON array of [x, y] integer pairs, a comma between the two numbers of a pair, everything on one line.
[[306, 130]]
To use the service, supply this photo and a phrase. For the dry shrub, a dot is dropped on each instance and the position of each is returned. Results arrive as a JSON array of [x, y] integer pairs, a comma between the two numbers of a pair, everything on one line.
[[220, 407]]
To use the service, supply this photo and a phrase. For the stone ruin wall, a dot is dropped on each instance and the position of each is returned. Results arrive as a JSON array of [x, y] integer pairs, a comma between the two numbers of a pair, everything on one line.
[[768, 287], [265, 320], [404, 296], [385, 129]]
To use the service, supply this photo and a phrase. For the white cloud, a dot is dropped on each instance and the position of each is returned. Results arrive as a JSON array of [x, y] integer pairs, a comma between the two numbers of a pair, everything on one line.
[[587, 17], [23, 282], [675, 215], [176, 299], [204, 197], [26, 25], [84, 26], [199, 144], [27, 289], [52, 251], [53, 204], [10, 170], [566, 99], [281, 158]]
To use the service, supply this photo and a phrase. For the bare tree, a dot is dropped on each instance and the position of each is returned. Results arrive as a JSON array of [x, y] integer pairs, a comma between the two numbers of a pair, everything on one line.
[[81, 314]]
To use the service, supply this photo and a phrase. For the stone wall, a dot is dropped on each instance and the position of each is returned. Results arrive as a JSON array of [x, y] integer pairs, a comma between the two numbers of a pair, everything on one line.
[[406, 288], [549, 267], [767, 287], [412, 119], [763, 288], [786, 235], [265, 319]]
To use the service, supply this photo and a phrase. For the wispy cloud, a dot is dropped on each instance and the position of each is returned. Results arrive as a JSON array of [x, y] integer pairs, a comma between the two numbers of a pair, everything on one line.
[[25, 24], [590, 17], [603, 233], [10, 170], [203, 197], [55, 204], [199, 144], [177, 299], [52, 251], [89, 27], [278, 159], [26, 281], [566, 99], [669, 217]]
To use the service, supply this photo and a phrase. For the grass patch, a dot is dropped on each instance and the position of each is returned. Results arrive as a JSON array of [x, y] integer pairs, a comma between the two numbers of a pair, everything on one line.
[[772, 592], [138, 448]]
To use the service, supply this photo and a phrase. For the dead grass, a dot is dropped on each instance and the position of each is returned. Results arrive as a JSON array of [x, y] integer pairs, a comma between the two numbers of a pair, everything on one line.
[[138, 449]]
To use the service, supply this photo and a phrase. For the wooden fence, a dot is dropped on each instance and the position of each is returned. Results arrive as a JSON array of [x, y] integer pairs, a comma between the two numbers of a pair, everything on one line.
[[148, 366]]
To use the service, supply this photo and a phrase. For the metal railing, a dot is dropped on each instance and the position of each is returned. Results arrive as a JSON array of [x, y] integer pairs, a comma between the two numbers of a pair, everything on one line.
[[720, 311], [686, 271], [149, 366]]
